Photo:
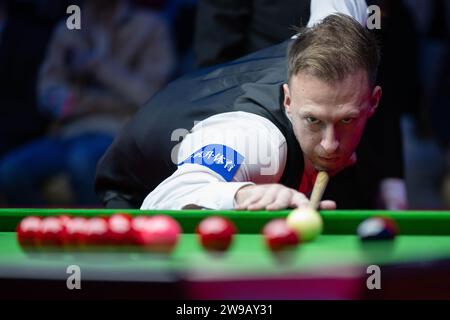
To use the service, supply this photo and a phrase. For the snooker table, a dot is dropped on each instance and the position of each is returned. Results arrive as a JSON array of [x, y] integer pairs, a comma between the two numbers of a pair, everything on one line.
[[333, 266]]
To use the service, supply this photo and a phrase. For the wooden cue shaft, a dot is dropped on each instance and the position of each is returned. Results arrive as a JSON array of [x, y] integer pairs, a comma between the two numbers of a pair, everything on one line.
[[318, 189]]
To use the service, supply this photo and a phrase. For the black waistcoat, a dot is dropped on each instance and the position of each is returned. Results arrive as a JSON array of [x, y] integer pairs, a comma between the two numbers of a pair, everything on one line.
[[140, 157]]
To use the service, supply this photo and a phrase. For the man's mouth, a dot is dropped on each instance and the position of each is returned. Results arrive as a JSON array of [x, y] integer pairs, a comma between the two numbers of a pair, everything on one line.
[[329, 159]]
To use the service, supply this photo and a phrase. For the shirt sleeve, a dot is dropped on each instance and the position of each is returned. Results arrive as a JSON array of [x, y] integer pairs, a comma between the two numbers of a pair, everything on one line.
[[322, 8], [222, 154]]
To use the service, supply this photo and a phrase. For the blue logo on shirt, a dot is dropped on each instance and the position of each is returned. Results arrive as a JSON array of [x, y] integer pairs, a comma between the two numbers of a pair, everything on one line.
[[219, 158]]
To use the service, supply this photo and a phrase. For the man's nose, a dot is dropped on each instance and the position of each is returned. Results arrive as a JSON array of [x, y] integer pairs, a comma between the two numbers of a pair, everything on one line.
[[329, 141]]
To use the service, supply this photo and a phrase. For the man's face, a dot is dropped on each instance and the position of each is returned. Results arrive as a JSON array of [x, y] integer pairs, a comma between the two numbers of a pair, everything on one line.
[[329, 118]]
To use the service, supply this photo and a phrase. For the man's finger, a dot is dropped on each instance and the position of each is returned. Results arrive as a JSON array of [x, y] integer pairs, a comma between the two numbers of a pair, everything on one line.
[[267, 199], [282, 200], [327, 205], [250, 200], [299, 200]]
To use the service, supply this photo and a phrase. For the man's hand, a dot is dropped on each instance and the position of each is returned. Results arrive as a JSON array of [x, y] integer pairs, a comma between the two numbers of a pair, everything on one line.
[[393, 194], [273, 197]]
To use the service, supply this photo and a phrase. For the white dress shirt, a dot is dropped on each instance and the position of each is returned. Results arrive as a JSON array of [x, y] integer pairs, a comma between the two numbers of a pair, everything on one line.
[[193, 185]]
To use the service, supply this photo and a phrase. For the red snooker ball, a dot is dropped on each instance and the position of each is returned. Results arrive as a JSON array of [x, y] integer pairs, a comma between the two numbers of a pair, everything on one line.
[[52, 231], [28, 231], [77, 231], [216, 233], [158, 233], [64, 219], [279, 236], [139, 234], [98, 232], [119, 229], [138, 223]]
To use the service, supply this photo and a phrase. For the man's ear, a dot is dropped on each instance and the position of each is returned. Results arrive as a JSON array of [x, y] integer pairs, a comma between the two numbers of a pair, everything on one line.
[[375, 100], [287, 99]]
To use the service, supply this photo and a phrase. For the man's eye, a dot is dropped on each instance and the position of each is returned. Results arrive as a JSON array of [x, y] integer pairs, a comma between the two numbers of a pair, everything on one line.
[[312, 120], [347, 120]]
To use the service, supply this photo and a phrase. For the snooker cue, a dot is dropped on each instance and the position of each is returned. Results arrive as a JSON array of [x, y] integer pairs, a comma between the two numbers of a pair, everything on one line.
[[318, 189]]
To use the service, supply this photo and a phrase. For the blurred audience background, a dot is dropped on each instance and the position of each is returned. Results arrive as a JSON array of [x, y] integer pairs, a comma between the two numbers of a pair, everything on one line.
[[89, 82], [65, 93]]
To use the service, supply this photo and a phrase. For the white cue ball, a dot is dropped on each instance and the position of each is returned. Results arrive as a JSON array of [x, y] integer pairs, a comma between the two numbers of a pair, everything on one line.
[[306, 222]]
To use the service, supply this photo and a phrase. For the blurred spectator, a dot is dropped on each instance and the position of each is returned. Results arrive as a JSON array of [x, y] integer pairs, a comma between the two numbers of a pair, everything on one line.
[[157, 5], [24, 32], [180, 17], [439, 95], [25, 28], [228, 29], [430, 131], [399, 77], [181, 14], [92, 80]]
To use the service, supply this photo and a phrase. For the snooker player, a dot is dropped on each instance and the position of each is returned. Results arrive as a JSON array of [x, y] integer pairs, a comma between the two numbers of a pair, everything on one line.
[[259, 128]]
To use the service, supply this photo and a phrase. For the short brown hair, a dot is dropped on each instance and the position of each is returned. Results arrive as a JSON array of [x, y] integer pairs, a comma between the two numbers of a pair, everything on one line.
[[334, 48]]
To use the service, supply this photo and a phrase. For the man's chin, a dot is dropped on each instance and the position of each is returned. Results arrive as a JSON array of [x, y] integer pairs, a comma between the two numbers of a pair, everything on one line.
[[331, 168]]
